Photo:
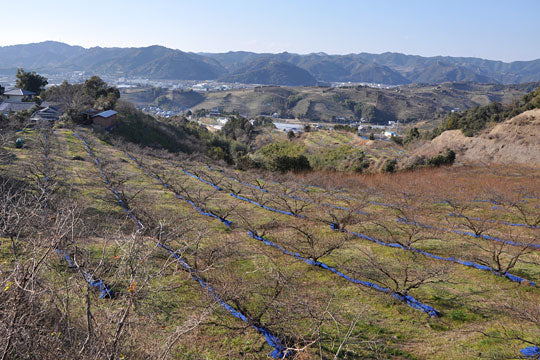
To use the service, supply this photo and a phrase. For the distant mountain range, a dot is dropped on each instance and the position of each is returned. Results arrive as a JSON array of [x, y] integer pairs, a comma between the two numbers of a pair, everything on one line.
[[158, 62]]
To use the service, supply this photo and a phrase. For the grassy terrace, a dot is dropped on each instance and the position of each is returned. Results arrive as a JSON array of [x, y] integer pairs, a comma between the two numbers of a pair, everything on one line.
[[309, 308]]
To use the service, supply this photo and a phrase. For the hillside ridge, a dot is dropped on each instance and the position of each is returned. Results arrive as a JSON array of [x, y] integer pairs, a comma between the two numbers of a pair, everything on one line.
[[514, 141]]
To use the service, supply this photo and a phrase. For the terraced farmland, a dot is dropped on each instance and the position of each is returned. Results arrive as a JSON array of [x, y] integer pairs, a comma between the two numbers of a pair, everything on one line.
[[118, 252]]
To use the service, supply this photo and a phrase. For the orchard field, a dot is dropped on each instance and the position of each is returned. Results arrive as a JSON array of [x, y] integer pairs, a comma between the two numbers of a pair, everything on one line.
[[112, 251]]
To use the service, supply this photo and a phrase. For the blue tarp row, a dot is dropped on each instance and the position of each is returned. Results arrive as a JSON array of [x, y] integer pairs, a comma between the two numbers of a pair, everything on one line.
[[509, 276], [531, 352], [409, 300], [495, 207], [201, 179], [266, 207], [237, 180], [211, 168], [469, 233], [280, 351], [382, 204], [345, 197], [196, 176], [488, 201], [193, 205], [494, 221], [104, 290]]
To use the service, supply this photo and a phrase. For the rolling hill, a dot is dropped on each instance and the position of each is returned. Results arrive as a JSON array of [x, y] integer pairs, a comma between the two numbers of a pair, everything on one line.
[[407, 104], [271, 73]]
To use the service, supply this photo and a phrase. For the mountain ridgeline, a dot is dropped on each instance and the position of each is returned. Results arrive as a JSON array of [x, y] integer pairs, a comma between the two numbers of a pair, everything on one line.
[[158, 62]]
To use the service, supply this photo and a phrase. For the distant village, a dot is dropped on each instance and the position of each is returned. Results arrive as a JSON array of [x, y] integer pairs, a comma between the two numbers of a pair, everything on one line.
[[16, 100]]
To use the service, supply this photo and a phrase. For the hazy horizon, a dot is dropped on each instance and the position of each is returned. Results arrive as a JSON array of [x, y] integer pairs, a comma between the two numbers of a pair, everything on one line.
[[494, 30], [291, 52]]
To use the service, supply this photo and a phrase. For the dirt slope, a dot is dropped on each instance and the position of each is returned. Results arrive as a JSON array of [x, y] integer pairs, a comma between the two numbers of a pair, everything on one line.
[[516, 140]]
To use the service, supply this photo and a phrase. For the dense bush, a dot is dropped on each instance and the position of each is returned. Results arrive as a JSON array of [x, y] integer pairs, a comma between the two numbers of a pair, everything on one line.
[[447, 158], [349, 128], [238, 128], [389, 166], [292, 100], [442, 159], [285, 156], [413, 134], [343, 158], [286, 163]]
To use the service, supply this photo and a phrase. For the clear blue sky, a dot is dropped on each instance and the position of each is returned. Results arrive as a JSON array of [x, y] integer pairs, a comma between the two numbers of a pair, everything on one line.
[[493, 29]]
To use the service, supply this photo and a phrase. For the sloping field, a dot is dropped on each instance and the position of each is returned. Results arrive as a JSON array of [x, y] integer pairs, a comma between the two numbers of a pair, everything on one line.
[[199, 262]]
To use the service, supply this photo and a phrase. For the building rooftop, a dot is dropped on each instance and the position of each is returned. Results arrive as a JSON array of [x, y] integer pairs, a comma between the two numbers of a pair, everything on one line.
[[106, 114], [19, 92], [49, 113]]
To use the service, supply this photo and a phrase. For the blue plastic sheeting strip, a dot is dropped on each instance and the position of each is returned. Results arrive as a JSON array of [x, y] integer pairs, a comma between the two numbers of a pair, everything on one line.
[[495, 221], [211, 168], [382, 204], [409, 300], [201, 179], [531, 352], [489, 201], [468, 233], [509, 276], [266, 207], [279, 352], [105, 291], [167, 186], [238, 181]]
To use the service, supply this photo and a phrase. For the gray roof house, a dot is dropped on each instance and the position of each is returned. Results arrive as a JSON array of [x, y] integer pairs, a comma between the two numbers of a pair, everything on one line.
[[46, 115], [12, 101]]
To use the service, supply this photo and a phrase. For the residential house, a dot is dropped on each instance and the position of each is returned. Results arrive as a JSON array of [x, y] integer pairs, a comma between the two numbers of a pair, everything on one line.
[[47, 115], [17, 95], [12, 101]]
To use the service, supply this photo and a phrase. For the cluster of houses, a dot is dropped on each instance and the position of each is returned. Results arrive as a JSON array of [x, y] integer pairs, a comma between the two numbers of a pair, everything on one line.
[[46, 113]]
